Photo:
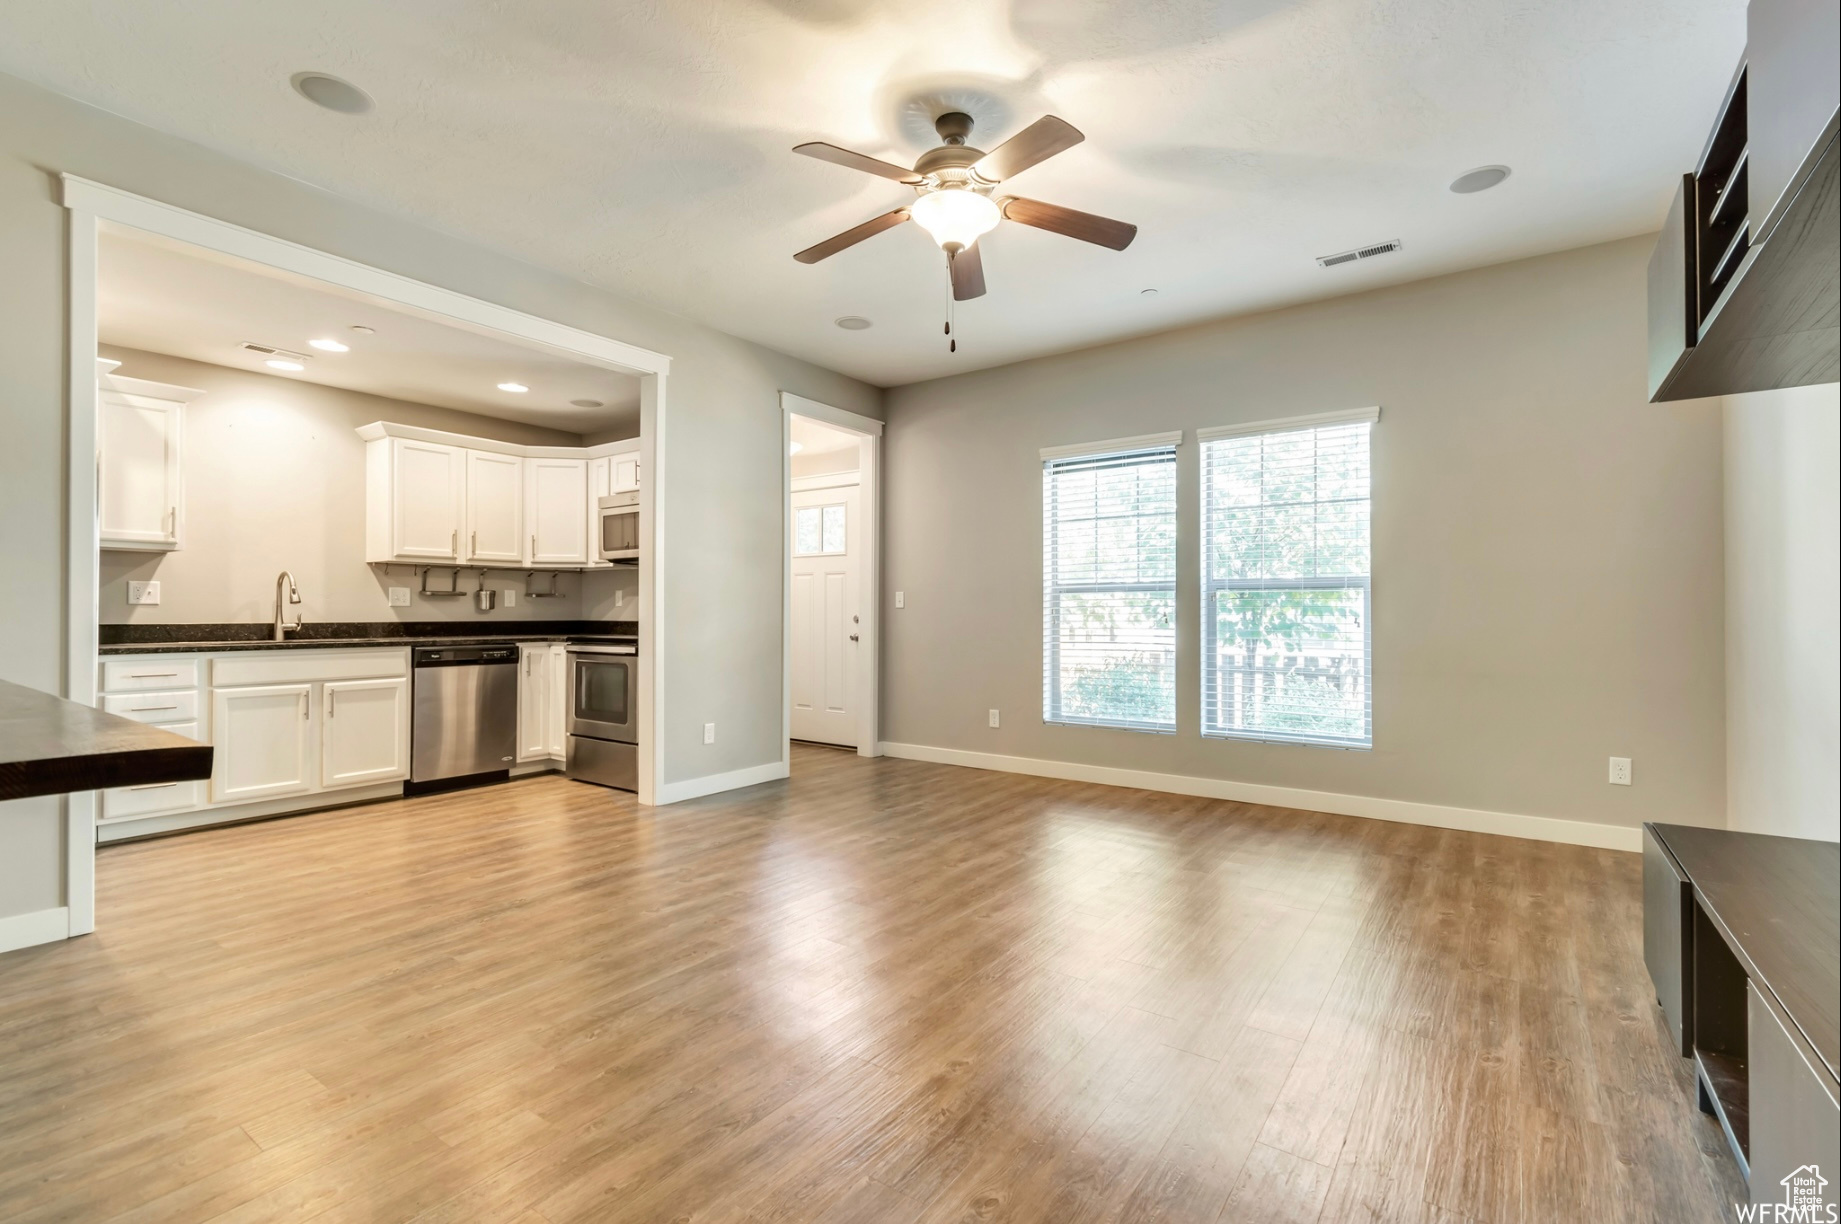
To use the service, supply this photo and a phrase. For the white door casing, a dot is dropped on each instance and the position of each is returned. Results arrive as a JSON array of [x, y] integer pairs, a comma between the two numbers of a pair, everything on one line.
[[826, 625]]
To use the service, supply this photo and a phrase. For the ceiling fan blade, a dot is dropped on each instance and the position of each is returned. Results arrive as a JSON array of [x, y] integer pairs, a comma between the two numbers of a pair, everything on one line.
[[1038, 142], [851, 237], [857, 161], [1101, 231], [967, 272]]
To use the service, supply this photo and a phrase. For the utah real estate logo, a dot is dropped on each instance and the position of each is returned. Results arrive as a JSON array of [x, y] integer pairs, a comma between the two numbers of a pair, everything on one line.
[[1803, 1202]]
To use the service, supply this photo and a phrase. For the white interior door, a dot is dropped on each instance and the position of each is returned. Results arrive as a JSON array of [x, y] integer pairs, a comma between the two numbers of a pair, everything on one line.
[[826, 551]]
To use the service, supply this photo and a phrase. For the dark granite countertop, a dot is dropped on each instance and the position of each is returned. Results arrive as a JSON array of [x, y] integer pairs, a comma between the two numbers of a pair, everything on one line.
[[349, 635], [50, 746]]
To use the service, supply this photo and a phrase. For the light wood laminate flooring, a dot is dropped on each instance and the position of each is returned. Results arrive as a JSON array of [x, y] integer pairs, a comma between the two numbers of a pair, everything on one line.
[[884, 991]]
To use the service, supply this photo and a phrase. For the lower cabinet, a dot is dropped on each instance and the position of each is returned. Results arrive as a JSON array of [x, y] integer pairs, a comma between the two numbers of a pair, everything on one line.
[[264, 741], [155, 797], [361, 739], [543, 699]]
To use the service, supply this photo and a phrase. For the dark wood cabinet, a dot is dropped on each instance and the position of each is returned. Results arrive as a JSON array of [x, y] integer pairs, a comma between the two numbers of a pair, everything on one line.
[[1743, 279], [1742, 937]]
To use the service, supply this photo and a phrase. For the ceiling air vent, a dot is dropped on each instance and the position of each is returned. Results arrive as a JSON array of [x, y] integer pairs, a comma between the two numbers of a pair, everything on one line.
[[1367, 252], [263, 350]]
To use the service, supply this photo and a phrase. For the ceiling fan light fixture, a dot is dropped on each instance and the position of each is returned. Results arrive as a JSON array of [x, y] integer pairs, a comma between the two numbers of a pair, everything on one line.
[[956, 216]]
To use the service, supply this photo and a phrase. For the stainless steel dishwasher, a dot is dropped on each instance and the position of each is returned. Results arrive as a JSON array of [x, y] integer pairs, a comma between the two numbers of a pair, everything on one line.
[[464, 727]]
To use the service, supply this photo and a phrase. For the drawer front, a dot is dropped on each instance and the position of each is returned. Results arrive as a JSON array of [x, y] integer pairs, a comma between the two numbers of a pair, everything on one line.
[[157, 798], [306, 666], [152, 707], [135, 675]]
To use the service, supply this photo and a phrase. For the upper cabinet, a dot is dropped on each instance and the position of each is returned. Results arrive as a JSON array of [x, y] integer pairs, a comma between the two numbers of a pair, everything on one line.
[[495, 507], [1742, 283], [555, 501], [440, 498], [140, 462], [415, 500]]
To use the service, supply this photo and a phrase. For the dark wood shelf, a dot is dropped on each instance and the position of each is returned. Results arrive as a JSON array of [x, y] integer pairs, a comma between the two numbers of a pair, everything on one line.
[[50, 746]]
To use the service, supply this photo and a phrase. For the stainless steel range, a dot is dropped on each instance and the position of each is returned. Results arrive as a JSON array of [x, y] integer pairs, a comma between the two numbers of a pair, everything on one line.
[[603, 704]]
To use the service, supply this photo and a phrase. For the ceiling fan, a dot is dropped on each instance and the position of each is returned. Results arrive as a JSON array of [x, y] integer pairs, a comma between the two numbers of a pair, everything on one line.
[[954, 184]]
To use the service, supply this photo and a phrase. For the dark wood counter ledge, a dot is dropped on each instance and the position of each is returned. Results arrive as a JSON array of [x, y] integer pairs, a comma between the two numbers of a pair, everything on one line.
[[50, 746]]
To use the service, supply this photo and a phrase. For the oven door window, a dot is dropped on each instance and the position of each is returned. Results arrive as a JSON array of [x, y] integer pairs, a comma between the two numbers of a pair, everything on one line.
[[601, 688], [619, 531]]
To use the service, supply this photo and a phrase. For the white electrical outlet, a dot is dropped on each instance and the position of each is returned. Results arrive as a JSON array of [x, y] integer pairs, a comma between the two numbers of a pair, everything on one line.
[[1620, 771], [993, 718], [709, 733], [901, 599], [511, 597], [399, 597], [144, 592], [619, 598]]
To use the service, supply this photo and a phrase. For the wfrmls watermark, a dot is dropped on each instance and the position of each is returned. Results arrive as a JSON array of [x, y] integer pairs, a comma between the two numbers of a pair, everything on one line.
[[1805, 1201]]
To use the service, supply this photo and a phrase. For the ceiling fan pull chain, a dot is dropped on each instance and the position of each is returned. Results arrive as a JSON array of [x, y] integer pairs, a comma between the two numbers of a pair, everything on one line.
[[952, 342]]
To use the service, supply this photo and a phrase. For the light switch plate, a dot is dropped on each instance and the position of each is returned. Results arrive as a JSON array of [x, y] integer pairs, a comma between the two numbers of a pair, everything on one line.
[[709, 733], [901, 599], [144, 592], [993, 718], [511, 597], [1620, 771], [399, 597]]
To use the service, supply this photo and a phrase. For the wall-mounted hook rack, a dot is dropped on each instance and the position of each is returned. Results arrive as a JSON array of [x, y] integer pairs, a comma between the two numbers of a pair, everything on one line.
[[531, 576], [453, 582]]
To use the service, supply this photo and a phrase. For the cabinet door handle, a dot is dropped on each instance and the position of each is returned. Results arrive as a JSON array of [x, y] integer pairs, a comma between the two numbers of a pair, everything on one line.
[[153, 786], [143, 709], [152, 675], [172, 519], [453, 542], [475, 544], [331, 703], [305, 712], [533, 548]]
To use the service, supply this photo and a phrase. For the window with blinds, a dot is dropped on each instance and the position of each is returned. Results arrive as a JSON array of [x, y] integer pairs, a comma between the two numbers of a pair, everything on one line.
[[1285, 582], [1109, 586]]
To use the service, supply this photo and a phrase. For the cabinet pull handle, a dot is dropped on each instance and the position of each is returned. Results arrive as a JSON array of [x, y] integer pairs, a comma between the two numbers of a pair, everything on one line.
[[475, 544], [304, 711], [150, 675], [143, 709], [332, 703], [533, 548], [453, 542], [154, 786], [172, 519]]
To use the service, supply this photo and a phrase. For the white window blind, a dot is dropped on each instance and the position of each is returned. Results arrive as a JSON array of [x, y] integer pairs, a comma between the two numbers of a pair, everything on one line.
[[1109, 597], [1285, 584]]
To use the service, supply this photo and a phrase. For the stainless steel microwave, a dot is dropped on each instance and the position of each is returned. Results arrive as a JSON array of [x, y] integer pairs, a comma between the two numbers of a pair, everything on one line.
[[618, 537]]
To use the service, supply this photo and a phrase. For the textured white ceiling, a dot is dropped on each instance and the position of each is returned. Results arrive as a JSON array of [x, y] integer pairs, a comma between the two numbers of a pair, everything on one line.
[[645, 146], [165, 297]]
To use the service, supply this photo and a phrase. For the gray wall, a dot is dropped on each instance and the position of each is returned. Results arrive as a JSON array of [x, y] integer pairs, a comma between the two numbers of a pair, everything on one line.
[[1547, 546], [1783, 612], [274, 480], [723, 463]]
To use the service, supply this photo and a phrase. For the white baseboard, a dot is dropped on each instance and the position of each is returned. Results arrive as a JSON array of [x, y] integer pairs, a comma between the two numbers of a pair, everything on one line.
[[37, 927], [696, 788], [1400, 811]]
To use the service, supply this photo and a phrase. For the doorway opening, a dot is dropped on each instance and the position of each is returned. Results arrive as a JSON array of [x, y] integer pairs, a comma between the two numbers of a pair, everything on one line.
[[832, 576]]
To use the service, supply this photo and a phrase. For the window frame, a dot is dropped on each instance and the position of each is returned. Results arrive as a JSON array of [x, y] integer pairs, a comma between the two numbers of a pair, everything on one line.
[[1210, 586], [1052, 713]]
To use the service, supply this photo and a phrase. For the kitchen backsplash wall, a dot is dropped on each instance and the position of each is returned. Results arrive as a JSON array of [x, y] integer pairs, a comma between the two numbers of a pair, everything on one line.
[[274, 480]]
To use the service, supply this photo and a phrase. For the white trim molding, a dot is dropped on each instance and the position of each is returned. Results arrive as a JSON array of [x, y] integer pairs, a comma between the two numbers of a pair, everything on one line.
[[710, 784], [1079, 450], [1350, 416], [829, 480], [38, 927], [376, 430], [1399, 811]]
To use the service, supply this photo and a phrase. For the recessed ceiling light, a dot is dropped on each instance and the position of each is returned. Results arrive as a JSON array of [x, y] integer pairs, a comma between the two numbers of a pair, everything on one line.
[[277, 363], [329, 346], [854, 323], [588, 403], [795, 448], [362, 330], [514, 388], [330, 92], [1480, 179]]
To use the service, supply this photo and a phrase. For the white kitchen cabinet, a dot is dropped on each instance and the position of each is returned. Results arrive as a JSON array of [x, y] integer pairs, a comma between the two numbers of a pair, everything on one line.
[[140, 470], [155, 797], [557, 701], [362, 736], [556, 511], [495, 507], [624, 477], [534, 699], [415, 500], [264, 741]]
